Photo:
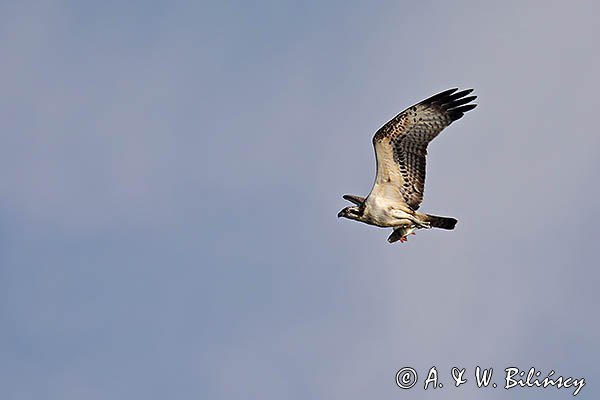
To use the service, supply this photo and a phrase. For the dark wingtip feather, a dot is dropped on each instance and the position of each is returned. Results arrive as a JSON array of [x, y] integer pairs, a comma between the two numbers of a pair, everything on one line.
[[457, 113], [450, 99], [466, 108], [358, 200], [456, 104], [457, 95], [439, 96], [462, 101]]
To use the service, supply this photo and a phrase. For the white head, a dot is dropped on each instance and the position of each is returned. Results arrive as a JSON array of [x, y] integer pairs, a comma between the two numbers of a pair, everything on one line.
[[352, 212]]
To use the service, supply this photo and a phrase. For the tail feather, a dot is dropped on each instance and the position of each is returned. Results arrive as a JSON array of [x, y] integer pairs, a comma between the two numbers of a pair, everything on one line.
[[441, 222]]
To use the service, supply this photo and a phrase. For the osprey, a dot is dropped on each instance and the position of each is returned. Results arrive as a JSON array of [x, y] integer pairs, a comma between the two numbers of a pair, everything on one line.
[[400, 150]]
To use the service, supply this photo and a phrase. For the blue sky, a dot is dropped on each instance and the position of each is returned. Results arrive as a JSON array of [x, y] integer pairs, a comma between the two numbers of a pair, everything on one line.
[[170, 175]]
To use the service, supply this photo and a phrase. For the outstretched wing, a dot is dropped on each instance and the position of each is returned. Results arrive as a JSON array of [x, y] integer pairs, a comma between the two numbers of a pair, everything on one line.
[[401, 144]]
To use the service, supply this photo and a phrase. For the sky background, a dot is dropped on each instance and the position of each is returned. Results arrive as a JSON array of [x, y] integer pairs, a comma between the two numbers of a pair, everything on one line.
[[170, 175]]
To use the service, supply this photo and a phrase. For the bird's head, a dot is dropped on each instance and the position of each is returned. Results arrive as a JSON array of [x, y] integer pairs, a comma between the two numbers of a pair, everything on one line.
[[352, 212]]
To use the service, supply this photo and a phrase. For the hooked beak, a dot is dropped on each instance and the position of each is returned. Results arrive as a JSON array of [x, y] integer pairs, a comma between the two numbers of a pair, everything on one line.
[[341, 214]]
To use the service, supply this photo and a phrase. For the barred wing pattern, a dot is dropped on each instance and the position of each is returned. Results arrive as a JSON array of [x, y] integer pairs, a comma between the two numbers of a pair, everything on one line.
[[401, 144]]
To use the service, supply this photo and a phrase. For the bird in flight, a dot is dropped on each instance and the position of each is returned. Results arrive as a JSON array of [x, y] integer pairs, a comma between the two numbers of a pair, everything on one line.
[[400, 150]]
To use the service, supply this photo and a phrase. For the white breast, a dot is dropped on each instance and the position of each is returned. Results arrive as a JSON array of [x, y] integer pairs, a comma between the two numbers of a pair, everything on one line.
[[377, 211]]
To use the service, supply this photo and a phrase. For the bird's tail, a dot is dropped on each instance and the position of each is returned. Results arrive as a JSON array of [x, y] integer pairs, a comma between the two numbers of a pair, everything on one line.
[[440, 222]]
